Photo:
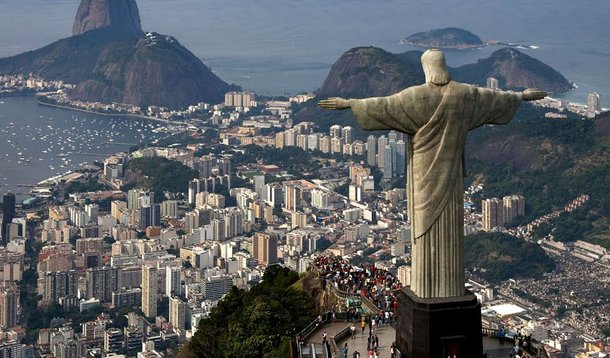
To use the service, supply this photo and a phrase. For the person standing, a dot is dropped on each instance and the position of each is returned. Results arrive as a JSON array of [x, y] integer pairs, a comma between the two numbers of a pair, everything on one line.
[[344, 351]]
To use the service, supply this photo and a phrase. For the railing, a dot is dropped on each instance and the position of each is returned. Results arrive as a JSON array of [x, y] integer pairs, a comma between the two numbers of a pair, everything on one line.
[[534, 347], [337, 338], [311, 328]]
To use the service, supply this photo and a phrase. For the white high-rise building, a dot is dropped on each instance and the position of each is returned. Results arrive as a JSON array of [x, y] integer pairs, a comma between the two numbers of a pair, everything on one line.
[[335, 131], [319, 199], [177, 313], [594, 103], [492, 83], [93, 211], [172, 280], [313, 141], [149, 291], [348, 134]]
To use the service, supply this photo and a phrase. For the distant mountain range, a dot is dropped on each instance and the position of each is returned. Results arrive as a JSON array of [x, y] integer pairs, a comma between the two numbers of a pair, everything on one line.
[[110, 59], [372, 71]]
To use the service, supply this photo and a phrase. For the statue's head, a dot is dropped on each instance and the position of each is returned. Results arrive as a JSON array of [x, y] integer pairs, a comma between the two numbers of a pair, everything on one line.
[[435, 68]]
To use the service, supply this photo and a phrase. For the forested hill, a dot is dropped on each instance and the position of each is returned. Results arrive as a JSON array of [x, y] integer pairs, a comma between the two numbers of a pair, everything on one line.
[[371, 71], [548, 160], [498, 257], [256, 323]]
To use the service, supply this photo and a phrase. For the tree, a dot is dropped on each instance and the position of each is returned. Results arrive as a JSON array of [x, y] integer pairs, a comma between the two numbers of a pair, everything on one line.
[[247, 324]]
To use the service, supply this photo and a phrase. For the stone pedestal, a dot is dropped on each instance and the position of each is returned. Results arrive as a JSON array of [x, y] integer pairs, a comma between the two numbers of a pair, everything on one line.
[[439, 327]]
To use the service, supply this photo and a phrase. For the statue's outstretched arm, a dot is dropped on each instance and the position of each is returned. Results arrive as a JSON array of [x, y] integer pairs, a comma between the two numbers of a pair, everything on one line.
[[531, 94], [334, 103]]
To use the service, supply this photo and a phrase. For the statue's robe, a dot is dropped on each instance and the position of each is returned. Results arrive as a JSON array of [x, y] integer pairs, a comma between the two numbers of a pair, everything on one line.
[[437, 120]]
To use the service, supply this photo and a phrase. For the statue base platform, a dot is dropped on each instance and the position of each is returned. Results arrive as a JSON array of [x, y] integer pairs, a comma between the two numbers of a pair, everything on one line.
[[439, 327]]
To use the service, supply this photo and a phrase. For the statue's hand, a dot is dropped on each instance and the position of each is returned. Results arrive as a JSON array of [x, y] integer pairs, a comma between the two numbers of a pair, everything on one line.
[[531, 94], [334, 103]]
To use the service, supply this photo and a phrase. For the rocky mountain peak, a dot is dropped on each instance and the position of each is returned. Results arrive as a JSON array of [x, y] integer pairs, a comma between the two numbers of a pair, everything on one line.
[[122, 15]]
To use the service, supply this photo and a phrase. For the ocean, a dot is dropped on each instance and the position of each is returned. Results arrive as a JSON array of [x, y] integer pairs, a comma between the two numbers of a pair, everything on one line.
[[38, 142], [279, 47], [285, 47]]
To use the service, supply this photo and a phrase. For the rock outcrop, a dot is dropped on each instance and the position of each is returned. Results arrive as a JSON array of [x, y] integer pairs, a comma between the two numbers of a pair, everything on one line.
[[154, 70], [123, 15], [369, 71], [513, 70], [110, 60]]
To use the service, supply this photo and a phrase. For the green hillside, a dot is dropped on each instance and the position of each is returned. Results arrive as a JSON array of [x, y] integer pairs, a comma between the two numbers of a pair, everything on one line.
[[499, 257], [256, 323]]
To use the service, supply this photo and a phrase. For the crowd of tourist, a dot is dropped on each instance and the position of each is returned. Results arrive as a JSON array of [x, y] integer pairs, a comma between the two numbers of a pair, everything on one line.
[[378, 286]]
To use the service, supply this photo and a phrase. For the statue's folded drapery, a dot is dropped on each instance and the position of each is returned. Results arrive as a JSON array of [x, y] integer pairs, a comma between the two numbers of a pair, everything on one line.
[[437, 119]]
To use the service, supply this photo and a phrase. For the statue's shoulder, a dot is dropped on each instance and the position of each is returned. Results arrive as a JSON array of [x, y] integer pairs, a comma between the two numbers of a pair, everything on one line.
[[415, 90]]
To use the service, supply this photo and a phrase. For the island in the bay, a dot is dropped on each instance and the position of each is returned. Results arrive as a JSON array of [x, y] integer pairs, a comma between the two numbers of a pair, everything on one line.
[[453, 38]]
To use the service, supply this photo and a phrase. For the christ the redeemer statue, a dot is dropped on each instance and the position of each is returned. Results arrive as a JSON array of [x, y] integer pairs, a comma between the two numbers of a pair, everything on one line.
[[437, 117]]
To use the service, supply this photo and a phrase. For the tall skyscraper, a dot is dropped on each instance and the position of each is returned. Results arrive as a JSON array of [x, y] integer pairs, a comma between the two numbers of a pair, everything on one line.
[[381, 143], [371, 150], [55, 285], [400, 157], [215, 287], [265, 248], [313, 141], [336, 145], [594, 103], [259, 182], [292, 197], [177, 313], [194, 188], [93, 211], [392, 144], [512, 206], [8, 214], [492, 214], [9, 304], [387, 162], [492, 83], [149, 290], [325, 144], [347, 134], [169, 208], [102, 282], [335, 131], [172, 280]]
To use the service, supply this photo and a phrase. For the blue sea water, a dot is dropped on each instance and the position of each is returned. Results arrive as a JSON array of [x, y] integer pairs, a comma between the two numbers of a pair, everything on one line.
[[282, 46], [285, 47]]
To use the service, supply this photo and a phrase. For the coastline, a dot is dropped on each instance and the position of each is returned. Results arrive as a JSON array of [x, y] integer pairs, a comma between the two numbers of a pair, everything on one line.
[[22, 186], [166, 121], [468, 47]]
